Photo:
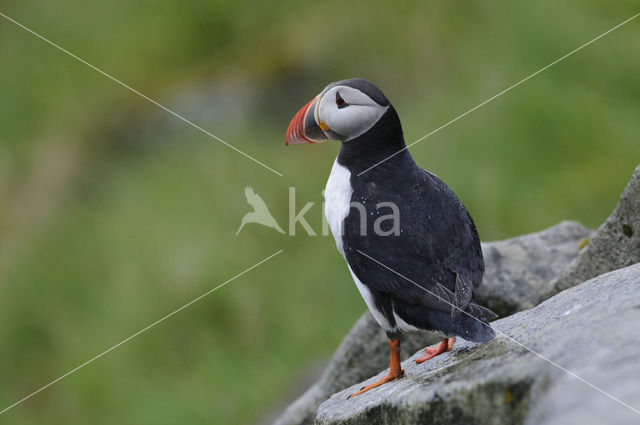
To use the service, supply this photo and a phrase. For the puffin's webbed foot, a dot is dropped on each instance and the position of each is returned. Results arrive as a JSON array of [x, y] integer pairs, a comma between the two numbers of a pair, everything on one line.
[[390, 377], [436, 350], [395, 371]]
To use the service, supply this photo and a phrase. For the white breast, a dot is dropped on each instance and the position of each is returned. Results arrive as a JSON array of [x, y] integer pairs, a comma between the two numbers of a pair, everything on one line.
[[337, 196], [371, 304]]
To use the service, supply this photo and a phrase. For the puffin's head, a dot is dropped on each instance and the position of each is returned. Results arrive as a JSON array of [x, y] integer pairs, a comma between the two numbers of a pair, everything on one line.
[[343, 111]]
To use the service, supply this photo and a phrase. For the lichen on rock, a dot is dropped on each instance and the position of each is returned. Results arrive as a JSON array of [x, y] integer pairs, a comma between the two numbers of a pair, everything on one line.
[[615, 244]]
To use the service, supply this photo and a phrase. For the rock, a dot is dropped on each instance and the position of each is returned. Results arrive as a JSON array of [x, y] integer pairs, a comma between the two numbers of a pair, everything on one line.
[[519, 271], [517, 277], [614, 245], [590, 330]]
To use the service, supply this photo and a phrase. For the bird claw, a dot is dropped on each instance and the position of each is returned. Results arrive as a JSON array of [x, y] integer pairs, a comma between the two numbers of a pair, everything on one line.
[[362, 388]]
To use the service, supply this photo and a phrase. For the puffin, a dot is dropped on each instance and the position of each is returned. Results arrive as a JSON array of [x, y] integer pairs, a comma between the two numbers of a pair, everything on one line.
[[410, 245]]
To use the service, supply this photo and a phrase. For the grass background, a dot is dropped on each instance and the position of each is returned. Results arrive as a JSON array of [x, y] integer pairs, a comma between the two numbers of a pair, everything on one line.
[[114, 213]]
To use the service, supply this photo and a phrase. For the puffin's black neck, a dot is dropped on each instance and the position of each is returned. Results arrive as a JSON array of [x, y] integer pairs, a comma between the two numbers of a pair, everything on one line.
[[382, 141]]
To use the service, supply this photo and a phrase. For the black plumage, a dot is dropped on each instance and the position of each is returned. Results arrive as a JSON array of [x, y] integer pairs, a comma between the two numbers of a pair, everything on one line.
[[437, 250]]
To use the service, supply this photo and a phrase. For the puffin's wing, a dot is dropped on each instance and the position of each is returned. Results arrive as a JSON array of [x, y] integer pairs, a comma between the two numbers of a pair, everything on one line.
[[435, 260], [462, 293]]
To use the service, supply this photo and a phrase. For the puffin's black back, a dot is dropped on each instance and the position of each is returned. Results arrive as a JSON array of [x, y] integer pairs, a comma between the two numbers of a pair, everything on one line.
[[438, 250]]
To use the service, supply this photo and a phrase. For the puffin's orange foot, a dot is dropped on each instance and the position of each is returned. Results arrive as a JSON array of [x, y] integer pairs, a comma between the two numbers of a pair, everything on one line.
[[435, 350], [390, 377]]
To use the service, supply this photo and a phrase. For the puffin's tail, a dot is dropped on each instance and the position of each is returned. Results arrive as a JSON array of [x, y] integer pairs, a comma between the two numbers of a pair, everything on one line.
[[473, 324], [473, 329]]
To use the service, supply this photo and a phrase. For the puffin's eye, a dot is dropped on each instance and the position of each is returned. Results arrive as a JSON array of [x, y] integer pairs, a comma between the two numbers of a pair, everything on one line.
[[340, 101]]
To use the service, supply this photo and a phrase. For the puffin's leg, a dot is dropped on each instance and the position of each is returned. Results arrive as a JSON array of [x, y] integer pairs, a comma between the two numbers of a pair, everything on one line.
[[435, 350], [395, 371]]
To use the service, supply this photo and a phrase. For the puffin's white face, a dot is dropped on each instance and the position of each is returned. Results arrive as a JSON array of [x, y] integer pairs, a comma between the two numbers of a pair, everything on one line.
[[341, 112], [346, 113]]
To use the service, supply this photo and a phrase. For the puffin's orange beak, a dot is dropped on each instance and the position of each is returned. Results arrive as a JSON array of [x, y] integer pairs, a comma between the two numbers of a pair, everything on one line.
[[306, 127]]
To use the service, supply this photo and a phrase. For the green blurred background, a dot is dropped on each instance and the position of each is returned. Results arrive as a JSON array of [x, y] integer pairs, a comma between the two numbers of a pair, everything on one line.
[[114, 213]]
